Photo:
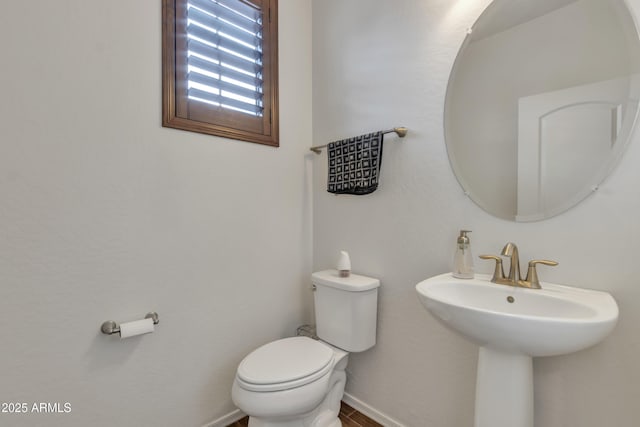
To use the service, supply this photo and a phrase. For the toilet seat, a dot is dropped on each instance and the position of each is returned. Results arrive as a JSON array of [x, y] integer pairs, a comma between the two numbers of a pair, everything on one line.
[[285, 364]]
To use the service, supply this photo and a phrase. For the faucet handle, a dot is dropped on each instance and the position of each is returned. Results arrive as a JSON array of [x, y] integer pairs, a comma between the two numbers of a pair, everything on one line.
[[498, 272], [532, 274]]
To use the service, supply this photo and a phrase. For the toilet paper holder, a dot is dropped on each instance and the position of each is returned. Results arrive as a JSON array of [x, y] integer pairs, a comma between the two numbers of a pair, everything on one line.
[[110, 327]]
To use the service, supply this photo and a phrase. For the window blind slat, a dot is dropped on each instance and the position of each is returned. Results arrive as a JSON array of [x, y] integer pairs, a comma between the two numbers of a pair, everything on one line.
[[214, 83], [211, 67], [241, 8], [221, 56], [224, 43], [250, 24], [196, 94], [223, 28], [254, 40]]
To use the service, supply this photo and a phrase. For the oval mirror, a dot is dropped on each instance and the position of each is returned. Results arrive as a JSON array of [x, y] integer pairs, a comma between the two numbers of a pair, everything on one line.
[[541, 102]]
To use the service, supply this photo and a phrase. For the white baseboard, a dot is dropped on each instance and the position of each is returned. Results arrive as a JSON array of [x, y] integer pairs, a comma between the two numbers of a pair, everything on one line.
[[225, 420], [355, 403], [370, 412]]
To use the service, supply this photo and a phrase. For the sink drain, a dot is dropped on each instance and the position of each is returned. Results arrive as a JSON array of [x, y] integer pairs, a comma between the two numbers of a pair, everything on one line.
[[510, 299]]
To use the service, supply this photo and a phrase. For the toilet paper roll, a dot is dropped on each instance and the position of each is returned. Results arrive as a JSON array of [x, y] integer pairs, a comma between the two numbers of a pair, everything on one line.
[[139, 327]]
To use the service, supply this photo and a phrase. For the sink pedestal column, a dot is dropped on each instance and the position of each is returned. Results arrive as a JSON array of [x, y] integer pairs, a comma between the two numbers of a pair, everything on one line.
[[504, 389]]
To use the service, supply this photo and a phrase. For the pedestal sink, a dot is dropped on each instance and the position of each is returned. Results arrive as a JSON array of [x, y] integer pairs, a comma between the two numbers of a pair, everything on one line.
[[511, 325]]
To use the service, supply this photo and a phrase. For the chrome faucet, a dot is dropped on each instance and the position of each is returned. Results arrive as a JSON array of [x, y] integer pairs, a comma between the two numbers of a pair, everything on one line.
[[514, 278]]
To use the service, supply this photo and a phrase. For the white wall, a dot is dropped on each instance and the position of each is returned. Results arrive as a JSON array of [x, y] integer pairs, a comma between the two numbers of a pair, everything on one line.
[[379, 64], [105, 215]]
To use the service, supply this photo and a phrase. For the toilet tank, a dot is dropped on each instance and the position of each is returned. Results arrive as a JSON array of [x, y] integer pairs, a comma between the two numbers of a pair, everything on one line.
[[346, 309]]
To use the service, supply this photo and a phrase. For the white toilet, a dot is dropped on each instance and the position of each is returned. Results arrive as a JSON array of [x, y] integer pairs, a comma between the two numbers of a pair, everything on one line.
[[299, 381]]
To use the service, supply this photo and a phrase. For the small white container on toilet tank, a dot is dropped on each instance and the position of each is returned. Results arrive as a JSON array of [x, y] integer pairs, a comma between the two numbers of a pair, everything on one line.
[[346, 309]]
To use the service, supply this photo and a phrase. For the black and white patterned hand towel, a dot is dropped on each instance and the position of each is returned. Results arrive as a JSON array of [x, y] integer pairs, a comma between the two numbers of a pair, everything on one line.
[[354, 164]]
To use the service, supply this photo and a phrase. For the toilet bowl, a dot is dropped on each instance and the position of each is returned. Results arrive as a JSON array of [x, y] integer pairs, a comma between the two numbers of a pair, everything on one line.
[[294, 381], [299, 381]]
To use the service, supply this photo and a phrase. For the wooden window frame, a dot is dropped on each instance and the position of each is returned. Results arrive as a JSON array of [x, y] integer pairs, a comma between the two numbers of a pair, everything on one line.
[[180, 113]]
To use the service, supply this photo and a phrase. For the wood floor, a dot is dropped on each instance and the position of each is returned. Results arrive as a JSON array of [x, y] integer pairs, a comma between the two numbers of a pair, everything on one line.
[[352, 418], [349, 417]]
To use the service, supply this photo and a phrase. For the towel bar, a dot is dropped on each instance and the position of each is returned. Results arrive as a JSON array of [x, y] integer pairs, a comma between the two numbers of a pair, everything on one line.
[[401, 131]]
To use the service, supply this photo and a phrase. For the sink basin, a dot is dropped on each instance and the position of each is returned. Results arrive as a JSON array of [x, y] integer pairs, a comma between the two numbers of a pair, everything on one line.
[[554, 320], [511, 325]]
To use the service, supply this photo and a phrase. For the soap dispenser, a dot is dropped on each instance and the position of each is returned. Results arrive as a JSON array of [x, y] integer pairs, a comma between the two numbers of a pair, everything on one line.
[[462, 259]]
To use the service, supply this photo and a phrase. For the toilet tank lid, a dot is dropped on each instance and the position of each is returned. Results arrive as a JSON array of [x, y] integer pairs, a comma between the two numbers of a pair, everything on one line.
[[353, 283]]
